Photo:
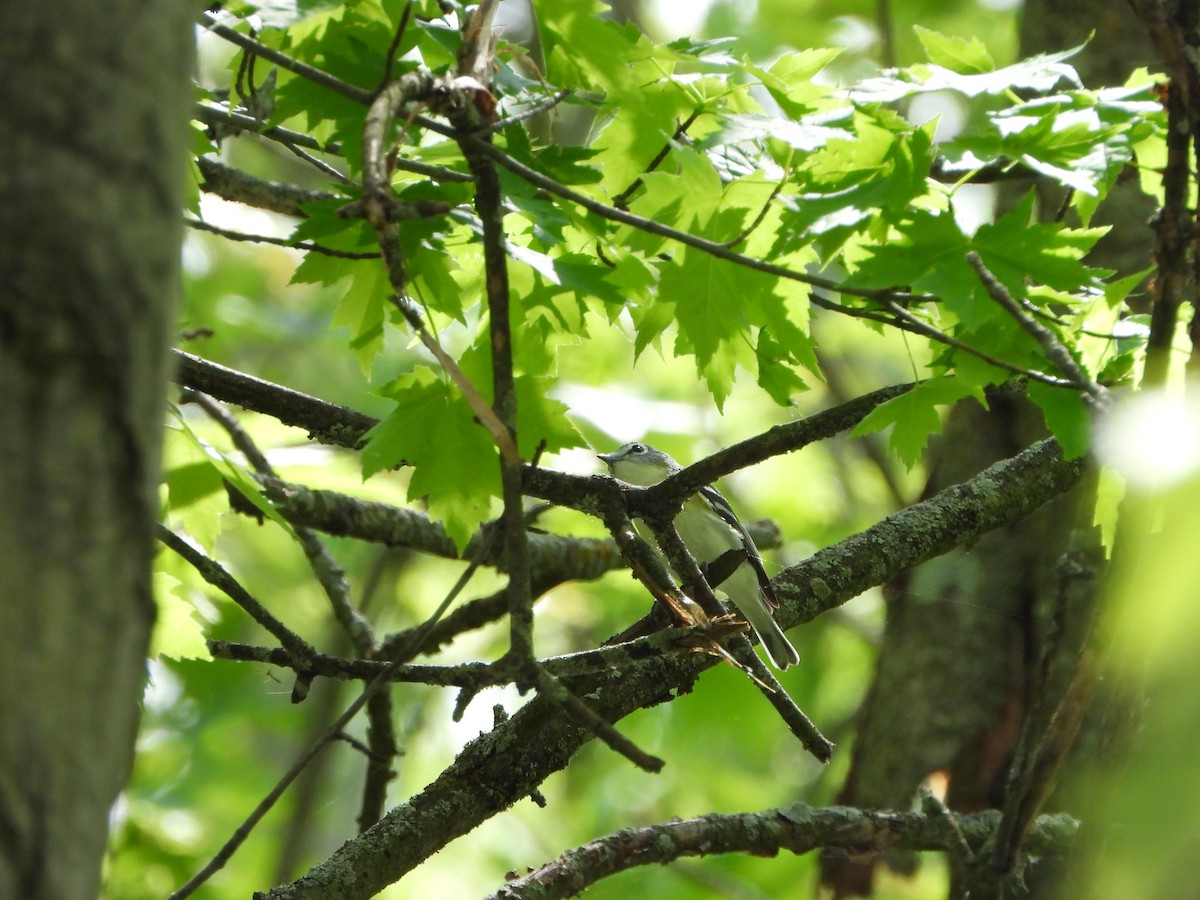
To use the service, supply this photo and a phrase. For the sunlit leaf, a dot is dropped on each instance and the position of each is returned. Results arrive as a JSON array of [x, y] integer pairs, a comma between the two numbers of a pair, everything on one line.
[[177, 633], [914, 416]]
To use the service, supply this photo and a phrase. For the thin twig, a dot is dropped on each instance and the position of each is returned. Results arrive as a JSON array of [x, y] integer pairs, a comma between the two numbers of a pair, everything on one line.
[[236, 120], [476, 676], [327, 570], [310, 73], [1051, 346], [758, 220], [536, 110], [242, 122], [551, 687], [621, 201], [319, 164], [923, 328], [299, 650], [401, 27], [278, 242], [332, 733]]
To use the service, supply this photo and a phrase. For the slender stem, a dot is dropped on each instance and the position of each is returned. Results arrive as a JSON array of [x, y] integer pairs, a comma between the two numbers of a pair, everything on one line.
[[310, 73], [278, 242], [1051, 346], [331, 734], [216, 575]]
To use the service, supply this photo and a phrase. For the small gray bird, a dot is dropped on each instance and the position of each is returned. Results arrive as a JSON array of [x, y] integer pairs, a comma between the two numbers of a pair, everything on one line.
[[709, 529]]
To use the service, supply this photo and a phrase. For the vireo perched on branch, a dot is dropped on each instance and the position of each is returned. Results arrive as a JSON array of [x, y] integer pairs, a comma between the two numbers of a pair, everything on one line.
[[717, 541]]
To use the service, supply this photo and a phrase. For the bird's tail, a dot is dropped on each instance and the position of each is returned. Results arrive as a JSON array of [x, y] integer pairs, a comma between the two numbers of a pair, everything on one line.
[[774, 641], [778, 647]]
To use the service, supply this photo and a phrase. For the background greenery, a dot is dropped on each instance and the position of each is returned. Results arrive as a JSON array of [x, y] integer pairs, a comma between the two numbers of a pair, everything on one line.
[[617, 363]]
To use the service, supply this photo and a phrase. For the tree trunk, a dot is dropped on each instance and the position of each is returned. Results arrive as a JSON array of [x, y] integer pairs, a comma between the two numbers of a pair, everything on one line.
[[93, 100]]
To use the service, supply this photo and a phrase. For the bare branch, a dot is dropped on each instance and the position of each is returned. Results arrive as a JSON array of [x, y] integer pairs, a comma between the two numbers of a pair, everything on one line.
[[311, 73], [920, 327], [298, 649], [232, 184], [475, 676], [530, 112], [798, 829], [1051, 346], [326, 422], [239, 121], [621, 200], [327, 570], [226, 233]]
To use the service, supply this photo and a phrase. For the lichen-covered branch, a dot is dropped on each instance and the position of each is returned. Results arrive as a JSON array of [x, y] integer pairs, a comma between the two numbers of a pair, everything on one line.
[[326, 422], [797, 829], [503, 766], [240, 187]]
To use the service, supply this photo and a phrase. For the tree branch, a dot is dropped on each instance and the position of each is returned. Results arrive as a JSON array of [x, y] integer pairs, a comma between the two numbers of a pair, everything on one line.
[[298, 649], [1052, 347], [1173, 231], [239, 121], [798, 829], [475, 676], [276, 196], [311, 73], [326, 422], [308, 246], [514, 758]]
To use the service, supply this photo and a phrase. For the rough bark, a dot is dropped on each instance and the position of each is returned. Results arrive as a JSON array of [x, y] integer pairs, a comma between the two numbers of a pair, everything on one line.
[[93, 105]]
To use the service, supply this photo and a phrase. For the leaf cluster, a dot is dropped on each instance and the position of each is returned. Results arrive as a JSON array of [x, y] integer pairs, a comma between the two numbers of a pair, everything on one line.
[[660, 201]]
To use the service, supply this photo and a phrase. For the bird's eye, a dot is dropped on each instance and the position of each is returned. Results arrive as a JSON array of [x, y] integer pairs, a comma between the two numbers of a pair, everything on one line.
[[637, 448]]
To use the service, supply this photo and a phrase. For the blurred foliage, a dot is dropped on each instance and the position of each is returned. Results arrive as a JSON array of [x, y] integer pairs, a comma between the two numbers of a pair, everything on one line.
[[621, 335]]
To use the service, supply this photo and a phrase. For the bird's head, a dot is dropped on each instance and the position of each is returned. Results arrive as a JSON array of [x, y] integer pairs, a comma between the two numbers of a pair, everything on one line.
[[640, 464]]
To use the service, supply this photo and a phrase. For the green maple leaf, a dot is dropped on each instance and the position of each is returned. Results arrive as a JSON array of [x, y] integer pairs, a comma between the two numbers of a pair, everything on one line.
[[541, 421], [1014, 249], [926, 253], [362, 312], [177, 633], [963, 55], [712, 299], [775, 375], [455, 464], [1066, 415], [914, 415]]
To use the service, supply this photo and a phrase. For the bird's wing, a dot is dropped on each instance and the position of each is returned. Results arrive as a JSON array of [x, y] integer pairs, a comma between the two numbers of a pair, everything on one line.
[[721, 506]]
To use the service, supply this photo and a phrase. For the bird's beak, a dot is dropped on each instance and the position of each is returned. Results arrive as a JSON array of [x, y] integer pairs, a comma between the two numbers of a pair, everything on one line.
[[609, 458]]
